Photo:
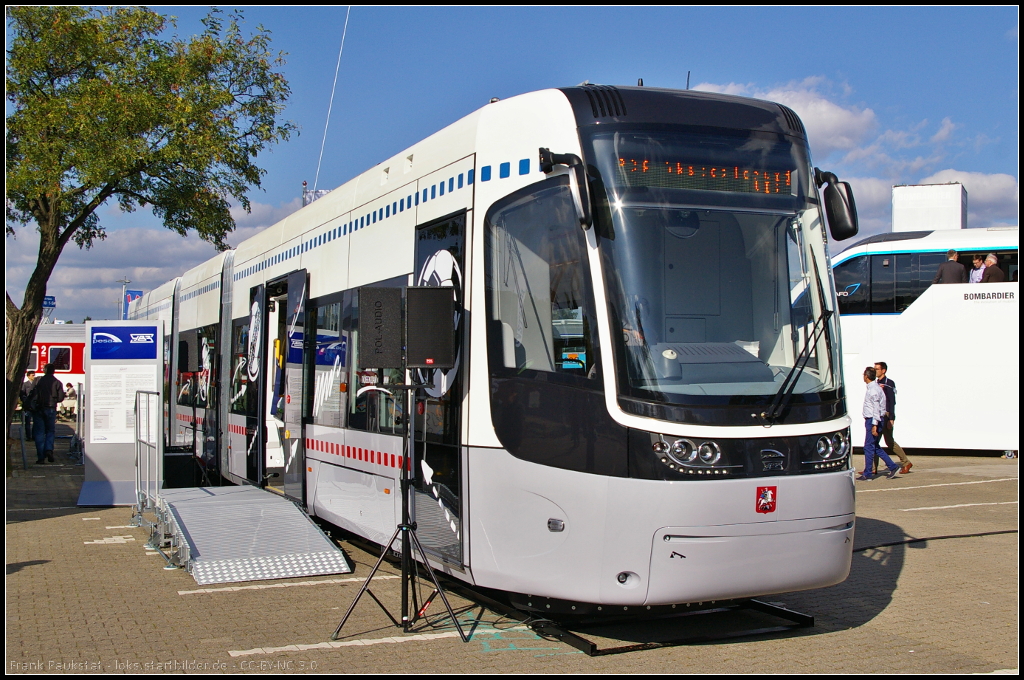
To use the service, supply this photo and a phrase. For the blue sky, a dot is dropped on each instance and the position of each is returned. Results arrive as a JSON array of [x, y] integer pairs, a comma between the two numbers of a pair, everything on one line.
[[889, 96]]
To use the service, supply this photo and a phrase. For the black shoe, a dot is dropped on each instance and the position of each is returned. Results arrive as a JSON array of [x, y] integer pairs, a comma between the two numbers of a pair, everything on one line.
[[893, 473], [41, 461], [49, 456]]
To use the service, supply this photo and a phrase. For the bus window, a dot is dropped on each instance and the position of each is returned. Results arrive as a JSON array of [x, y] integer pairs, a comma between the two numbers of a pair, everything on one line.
[[852, 287], [928, 268], [883, 284], [905, 280]]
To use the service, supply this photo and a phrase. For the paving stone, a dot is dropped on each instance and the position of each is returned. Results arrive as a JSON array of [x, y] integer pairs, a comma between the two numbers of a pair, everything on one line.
[[941, 606]]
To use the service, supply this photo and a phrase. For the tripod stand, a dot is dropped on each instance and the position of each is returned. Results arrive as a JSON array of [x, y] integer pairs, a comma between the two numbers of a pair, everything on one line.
[[407, 529]]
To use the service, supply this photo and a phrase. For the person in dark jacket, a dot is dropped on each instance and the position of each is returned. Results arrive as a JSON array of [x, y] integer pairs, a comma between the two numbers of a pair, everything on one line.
[[889, 388], [951, 271], [48, 393], [993, 273], [27, 414]]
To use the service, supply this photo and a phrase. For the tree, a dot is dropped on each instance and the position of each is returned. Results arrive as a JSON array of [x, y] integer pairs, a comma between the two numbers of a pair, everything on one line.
[[104, 106]]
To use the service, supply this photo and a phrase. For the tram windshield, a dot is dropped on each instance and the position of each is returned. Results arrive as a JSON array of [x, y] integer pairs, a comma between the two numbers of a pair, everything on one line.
[[714, 263]]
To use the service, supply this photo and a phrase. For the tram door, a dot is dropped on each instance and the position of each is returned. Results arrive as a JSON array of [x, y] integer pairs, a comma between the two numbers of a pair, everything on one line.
[[283, 452], [438, 474], [294, 386], [255, 379]]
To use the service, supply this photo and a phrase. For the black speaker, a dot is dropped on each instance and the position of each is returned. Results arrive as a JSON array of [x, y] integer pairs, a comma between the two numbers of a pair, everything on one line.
[[430, 327], [380, 328]]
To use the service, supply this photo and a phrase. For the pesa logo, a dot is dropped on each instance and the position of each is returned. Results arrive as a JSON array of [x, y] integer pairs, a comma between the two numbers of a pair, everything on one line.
[[766, 498]]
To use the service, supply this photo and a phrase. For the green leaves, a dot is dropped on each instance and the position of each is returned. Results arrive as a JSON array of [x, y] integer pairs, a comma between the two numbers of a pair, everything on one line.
[[104, 106]]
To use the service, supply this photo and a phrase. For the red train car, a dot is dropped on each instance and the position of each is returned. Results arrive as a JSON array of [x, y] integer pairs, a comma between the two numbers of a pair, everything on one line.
[[62, 345]]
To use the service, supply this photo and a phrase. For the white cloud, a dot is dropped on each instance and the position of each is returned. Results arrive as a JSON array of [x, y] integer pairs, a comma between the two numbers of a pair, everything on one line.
[[84, 281], [830, 126], [731, 88], [991, 198], [945, 130]]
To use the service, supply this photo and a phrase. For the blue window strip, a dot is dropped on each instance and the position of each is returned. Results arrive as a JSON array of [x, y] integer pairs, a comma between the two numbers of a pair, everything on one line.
[[451, 184], [524, 166], [504, 170], [485, 173], [418, 197], [440, 187], [469, 176], [433, 191], [394, 208], [460, 180]]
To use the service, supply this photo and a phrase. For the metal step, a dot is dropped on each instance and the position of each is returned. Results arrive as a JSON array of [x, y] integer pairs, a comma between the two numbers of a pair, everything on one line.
[[243, 533]]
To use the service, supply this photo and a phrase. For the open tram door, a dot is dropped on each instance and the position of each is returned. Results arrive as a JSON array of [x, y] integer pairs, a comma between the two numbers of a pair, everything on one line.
[[283, 456], [439, 472]]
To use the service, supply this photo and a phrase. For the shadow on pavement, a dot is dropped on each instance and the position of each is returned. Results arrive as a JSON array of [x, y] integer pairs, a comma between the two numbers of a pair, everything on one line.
[[861, 597], [15, 567]]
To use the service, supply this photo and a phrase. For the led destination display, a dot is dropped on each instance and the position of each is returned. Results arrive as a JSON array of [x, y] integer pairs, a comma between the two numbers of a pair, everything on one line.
[[643, 172]]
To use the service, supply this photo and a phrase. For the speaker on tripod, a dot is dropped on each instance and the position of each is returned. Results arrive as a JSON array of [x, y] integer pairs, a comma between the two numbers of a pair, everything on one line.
[[429, 343]]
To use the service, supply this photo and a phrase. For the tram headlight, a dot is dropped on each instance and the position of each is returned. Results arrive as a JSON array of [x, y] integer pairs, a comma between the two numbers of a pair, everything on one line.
[[683, 452], [824, 447], [840, 444], [709, 453]]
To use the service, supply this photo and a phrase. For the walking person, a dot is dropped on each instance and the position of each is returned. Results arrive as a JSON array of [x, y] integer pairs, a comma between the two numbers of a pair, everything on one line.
[[889, 388], [951, 271], [27, 408], [48, 394], [874, 424]]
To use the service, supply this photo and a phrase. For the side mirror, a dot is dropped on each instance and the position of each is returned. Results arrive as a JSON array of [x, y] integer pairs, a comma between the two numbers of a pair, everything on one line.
[[577, 182], [840, 208]]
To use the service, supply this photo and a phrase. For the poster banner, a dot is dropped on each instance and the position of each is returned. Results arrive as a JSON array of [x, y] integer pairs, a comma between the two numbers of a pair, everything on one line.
[[122, 342]]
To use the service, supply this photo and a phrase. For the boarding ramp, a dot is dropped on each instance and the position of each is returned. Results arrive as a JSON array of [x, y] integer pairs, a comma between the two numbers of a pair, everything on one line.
[[223, 534]]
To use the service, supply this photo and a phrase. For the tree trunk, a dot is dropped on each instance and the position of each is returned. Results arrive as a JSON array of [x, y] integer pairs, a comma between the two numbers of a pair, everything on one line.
[[21, 331], [22, 323]]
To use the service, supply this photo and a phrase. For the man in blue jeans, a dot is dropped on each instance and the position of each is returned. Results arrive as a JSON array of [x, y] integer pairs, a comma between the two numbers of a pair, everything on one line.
[[48, 394], [874, 424]]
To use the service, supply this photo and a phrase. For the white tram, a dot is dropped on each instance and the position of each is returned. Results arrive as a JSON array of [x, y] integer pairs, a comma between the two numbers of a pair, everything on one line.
[[646, 410], [949, 348]]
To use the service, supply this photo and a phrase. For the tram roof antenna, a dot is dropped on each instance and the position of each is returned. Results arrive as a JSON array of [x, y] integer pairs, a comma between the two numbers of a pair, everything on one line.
[[331, 104], [687, 80]]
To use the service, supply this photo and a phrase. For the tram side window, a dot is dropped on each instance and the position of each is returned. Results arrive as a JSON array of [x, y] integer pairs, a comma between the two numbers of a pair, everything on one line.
[[330, 365], [33, 360], [853, 288], [376, 409], [539, 296], [243, 393], [186, 383]]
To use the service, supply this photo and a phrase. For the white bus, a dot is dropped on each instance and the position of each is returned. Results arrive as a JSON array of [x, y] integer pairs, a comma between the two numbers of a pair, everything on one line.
[[647, 406], [952, 349]]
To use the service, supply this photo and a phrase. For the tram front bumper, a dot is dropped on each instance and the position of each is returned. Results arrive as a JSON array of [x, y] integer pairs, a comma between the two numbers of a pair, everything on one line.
[[695, 564]]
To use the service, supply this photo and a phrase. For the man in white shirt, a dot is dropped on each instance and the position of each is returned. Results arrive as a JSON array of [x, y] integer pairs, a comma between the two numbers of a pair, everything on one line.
[[874, 424]]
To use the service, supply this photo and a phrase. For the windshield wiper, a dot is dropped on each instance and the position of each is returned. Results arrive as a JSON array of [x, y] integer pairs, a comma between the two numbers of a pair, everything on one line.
[[785, 393]]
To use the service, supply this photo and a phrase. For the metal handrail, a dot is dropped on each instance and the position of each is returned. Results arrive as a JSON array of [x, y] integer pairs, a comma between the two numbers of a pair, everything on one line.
[[149, 444]]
